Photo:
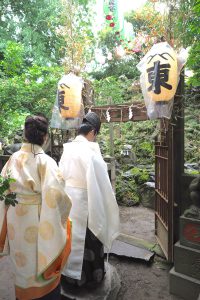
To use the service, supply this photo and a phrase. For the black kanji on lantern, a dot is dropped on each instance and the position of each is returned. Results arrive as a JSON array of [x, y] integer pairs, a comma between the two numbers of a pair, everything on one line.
[[61, 98], [158, 75]]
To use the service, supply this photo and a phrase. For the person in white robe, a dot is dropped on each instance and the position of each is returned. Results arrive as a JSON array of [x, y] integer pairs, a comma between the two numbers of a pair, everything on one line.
[[37, 230], [94, 213]]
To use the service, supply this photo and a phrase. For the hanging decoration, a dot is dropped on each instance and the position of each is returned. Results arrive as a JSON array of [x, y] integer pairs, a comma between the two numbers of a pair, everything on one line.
[[123, 30], [130, 113], [109, 17], [68, 110], [108, 115], [111, 11], [112, 24], [160, 69]]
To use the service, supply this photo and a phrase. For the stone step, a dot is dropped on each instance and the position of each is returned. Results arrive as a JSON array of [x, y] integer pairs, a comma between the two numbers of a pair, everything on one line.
[[127, 249], [187, 260], [140, 243], [183, 286]]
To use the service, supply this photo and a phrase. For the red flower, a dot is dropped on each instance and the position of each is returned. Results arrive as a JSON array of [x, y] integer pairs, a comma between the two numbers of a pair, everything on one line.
[[109, 17], [112, 24]]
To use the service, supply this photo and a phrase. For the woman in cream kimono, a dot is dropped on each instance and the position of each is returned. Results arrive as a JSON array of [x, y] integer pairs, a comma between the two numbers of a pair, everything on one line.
[[94, 212], [37, 229]]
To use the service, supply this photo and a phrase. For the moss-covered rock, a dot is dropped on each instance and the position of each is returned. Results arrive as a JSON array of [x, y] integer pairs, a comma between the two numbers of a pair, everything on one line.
[[126, 192]]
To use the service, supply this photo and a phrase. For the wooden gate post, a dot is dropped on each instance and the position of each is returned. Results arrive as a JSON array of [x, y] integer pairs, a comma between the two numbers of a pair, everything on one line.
[[178, 153]]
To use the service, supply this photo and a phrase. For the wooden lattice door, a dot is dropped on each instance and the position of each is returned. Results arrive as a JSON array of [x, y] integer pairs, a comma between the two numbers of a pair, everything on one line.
[[164, 200], [169, 168]]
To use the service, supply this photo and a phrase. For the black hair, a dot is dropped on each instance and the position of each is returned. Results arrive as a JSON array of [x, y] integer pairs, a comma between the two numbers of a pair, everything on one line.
[[36, 127], [93, 119], [85, 128]]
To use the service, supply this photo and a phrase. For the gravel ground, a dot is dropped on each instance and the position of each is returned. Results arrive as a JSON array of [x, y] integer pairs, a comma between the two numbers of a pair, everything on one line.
[[140, 280], [138, 221]]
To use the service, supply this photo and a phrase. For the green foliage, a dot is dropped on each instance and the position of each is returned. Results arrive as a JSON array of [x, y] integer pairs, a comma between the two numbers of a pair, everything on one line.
[[185, 22], [119, 67], [31, 92], [182, 25], [147, 24], [13, 59], [107, 39], [194, 55], [140, 175], [192, 128], [76, 30], [146, 148], [126, 192], [44, 27], [10, 124], [108, 89], [178, 20], [5, 195], [112, 90], [34, 24], [36, 36], [140, 135], [192, 172]]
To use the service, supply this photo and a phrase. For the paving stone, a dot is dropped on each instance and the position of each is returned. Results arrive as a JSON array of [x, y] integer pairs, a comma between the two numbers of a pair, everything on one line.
[[7, 289], [126, 248]]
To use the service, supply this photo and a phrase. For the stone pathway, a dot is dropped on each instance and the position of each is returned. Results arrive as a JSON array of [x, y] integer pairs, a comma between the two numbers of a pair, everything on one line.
[[7, 291], [139, 222]]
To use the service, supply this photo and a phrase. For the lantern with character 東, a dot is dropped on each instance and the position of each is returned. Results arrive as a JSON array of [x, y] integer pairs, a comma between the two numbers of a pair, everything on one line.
[[159, 79], [68, 110], [69, 96]]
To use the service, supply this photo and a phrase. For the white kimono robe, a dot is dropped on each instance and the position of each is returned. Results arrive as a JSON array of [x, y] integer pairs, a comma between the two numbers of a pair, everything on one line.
[[93, 200], [37, 228]]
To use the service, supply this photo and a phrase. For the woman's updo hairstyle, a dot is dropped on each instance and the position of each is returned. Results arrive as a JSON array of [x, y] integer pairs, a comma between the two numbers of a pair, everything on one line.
[[36, 127]]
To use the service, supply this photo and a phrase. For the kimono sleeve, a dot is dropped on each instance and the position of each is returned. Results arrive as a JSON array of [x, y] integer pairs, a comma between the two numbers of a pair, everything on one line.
[[102, 206], [54, 240], [4, 249], [3, 229], [52, 189]]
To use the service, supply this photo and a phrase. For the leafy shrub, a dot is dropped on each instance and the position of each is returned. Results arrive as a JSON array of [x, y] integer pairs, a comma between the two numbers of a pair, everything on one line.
[[28, 93], [5, 195], [126, 192], [140, 175]]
